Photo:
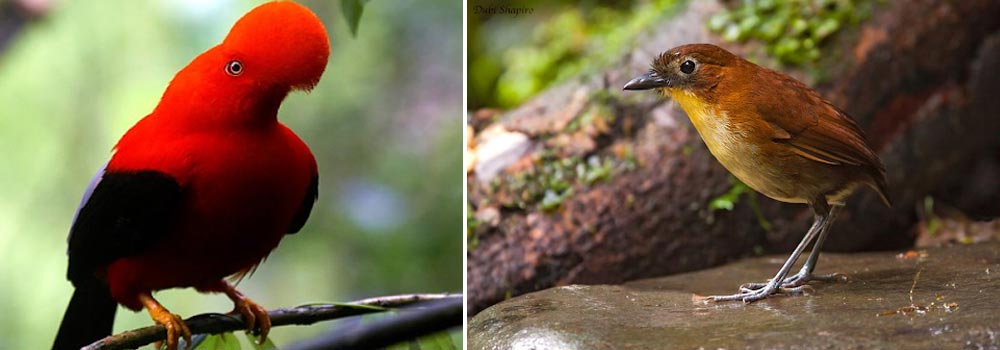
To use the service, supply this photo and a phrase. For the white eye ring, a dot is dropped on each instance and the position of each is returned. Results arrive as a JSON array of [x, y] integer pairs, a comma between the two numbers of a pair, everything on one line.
[[234, 68]]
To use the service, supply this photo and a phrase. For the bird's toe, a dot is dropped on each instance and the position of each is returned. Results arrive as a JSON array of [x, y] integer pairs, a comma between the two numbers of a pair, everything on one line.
[[257, 319]]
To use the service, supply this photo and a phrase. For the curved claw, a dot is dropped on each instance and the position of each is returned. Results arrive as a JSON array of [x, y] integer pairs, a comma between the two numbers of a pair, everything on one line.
[[176, 328], [255, 315], [257, 319]]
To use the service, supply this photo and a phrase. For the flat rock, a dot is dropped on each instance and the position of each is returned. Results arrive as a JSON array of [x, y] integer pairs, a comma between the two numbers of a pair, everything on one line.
[[939, 298]]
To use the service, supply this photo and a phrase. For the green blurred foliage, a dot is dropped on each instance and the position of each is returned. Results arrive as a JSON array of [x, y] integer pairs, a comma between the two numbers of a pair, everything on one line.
[[792, 29], [382, 123], [511, 58], [727, 201], [225, 341], [352, 10], [436, 341]]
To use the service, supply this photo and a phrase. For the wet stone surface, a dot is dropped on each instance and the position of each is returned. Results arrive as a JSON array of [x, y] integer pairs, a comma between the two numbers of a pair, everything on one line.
[[954, 304]]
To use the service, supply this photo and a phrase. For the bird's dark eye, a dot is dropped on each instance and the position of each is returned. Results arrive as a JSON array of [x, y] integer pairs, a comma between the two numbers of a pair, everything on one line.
[[687, 67], [234, 68]]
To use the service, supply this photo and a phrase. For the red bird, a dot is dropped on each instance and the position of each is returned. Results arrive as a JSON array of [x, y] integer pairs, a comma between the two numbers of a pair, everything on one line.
[[205, 186]]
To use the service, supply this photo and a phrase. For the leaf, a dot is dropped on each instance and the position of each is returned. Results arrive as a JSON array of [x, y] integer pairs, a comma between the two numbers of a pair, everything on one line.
[[196, 340], [348, 305], [441, 341], [224, 341], [268, 344], [728, 200], [723, 203], [352, 10], [361, 306], [447, 340]]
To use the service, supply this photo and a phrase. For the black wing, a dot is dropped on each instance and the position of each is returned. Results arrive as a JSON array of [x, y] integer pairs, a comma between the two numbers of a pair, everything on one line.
[[123, 214], [307, 205]]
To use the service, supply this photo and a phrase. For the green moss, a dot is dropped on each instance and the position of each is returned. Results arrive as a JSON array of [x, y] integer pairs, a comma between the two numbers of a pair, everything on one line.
[[552, 179], [553, 199], [471, 224], [629, 159], [598, 111], [792, 30], [594, 114], [596, 170], [604, 97]]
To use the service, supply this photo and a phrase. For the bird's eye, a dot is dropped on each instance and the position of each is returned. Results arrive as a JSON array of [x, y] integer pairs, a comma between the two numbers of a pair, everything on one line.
[[687, 67], [234, 68]]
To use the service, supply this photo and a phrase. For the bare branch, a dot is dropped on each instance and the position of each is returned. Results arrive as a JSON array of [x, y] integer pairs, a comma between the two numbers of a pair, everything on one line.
[[214, 323], [408, 323]]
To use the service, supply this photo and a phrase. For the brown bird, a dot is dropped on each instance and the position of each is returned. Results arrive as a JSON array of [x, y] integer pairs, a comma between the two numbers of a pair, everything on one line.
[[776, 135]]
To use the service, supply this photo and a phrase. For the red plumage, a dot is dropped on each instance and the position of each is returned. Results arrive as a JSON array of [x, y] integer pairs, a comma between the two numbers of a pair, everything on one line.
[[243, 187], [206, 185]]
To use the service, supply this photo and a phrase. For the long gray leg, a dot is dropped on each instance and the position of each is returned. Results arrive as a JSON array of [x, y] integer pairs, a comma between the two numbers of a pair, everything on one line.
[[805, 274], [751, 295], [810, 264]]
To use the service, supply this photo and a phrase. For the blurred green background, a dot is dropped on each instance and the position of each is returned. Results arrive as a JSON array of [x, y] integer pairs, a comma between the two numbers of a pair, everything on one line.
[[383, 124], [513, 57]]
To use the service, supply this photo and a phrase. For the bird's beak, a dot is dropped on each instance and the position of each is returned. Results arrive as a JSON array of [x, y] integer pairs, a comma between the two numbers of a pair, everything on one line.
[[646, 81]]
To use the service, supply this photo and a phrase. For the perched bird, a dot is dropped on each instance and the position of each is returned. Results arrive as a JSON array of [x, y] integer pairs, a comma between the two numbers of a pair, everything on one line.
[[205, 186], [776, 135]]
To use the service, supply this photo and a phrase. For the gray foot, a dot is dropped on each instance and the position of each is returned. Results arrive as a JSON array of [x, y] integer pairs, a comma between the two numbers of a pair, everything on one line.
[[752, 295], [798, 280]]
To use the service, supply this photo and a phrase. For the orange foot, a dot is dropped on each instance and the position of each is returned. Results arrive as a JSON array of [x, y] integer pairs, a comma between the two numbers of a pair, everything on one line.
[[255, 315], [175, 326]]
